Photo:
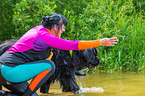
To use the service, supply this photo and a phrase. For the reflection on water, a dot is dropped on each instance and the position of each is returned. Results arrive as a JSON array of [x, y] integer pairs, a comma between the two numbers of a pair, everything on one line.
[[111, 84]]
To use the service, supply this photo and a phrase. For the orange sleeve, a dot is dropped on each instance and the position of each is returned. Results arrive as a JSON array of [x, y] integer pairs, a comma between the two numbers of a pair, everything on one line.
[[88, 44]]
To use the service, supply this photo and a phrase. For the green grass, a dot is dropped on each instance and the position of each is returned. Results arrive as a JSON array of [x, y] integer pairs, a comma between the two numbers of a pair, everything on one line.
[[113, 19]]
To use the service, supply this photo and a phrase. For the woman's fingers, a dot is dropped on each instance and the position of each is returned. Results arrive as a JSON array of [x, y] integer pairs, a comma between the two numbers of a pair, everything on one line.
[[109, 41], [113, 38], [113, 42]]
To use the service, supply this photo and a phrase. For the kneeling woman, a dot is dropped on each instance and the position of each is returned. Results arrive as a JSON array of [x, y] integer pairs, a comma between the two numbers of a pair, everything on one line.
[[26, 59]]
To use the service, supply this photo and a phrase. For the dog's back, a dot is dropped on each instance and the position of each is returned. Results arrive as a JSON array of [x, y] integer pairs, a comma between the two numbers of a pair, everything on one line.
[[5, 45]]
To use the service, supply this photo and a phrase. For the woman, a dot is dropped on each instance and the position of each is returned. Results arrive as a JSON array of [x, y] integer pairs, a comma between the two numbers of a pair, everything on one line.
[[26, 59]]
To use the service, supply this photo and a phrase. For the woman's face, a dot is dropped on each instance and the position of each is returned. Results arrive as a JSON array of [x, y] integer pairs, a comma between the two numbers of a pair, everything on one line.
[[61, 30]]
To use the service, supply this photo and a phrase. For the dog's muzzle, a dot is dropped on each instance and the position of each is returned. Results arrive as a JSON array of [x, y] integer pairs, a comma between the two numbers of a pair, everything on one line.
[[94, 65]]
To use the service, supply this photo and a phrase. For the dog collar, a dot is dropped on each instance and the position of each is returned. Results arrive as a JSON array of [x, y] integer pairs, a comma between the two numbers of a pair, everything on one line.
[[71, 51]]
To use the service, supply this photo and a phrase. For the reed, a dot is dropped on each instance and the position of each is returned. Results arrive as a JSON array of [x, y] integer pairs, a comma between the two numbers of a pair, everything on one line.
[[103, 18]]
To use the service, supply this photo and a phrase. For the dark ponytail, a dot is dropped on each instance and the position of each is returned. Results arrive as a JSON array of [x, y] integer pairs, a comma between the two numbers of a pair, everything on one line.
[[53, 19]]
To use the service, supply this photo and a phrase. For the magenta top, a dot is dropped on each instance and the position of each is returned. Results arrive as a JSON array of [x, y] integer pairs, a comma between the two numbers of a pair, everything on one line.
[[39, 39], [35, 45]]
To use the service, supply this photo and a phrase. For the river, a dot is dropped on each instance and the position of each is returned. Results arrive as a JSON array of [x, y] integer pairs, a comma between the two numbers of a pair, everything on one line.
[[105, 84]]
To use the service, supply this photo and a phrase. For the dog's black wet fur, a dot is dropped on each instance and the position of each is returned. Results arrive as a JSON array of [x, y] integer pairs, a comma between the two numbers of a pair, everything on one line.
[[66, 66], [5, 45]]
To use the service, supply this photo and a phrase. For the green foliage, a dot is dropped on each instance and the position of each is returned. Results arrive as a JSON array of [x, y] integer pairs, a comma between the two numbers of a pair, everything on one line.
[[116, 19], [75, 6], [139, 5], [87, 20], [71, 9], [6, 25], [103, 18], [29, 13]]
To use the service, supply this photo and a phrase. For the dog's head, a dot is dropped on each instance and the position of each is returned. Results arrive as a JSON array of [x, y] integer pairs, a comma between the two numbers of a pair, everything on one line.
[[91, 58]]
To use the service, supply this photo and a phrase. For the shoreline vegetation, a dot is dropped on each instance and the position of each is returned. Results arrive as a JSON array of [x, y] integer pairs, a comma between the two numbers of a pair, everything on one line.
[[87, 20]]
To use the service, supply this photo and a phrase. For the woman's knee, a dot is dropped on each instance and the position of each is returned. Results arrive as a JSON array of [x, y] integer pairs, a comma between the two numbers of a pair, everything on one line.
[[52, 64], [49, 62]]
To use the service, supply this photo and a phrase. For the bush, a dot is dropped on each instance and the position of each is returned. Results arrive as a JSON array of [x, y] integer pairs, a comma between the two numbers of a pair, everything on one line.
[[113, 18], [87, 20], [7, 27], [29, 13], [71, 9]]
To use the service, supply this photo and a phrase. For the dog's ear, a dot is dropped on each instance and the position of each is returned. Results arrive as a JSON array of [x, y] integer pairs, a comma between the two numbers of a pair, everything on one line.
[[89, 53], [81, 52], [55, 53], [96, 50], [86, 55], [85, 52]]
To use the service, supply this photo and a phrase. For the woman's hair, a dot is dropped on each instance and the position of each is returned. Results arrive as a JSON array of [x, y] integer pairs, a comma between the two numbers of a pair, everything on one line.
[[53, 19]]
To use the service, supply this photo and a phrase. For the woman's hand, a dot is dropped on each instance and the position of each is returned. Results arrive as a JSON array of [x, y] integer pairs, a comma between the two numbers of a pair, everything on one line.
[[108, 41]]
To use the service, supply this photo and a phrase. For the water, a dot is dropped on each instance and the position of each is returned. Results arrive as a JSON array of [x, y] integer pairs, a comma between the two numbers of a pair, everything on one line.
[[105, 84]]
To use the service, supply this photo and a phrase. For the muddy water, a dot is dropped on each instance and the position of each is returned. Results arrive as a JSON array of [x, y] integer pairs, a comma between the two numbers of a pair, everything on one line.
[[105, 84]]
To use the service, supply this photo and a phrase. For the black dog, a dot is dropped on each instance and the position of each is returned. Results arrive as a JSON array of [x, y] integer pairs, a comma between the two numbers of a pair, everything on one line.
[[66, 66], [5, 45]]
